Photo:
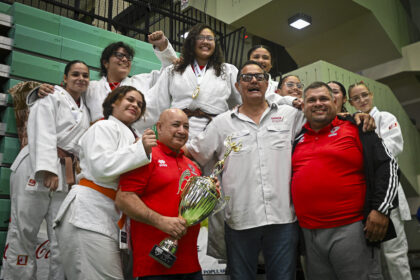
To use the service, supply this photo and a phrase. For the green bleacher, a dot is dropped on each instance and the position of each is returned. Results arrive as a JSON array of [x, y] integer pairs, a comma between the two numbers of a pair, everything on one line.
[[42, 44]]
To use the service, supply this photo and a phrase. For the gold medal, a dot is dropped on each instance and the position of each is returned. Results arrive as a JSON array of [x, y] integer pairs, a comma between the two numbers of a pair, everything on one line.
[[196, 92]]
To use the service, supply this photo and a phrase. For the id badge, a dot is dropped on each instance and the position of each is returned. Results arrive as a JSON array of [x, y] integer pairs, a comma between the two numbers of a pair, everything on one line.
[[124, 236]]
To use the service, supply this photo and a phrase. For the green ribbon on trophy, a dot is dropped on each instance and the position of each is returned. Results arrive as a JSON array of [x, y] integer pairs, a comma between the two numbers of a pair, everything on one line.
[[199, 199]]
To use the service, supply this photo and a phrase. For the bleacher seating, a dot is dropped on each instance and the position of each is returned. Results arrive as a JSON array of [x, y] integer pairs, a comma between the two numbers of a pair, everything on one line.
[[42, 44]]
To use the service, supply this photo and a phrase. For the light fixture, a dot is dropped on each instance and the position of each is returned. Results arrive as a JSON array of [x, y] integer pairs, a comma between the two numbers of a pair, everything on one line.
[[300, 20], [184, 35]]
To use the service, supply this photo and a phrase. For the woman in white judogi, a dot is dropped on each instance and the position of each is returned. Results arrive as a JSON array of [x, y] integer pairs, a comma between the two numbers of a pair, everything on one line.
[[394, 251], [86, 224], [116, 62], [201, 84], [43, 172]]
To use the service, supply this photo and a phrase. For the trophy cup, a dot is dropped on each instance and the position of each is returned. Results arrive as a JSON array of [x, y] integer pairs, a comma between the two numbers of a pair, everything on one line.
[[199, 199]]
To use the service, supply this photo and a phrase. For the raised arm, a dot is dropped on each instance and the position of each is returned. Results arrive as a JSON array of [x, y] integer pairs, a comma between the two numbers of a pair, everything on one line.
[[163, 48]]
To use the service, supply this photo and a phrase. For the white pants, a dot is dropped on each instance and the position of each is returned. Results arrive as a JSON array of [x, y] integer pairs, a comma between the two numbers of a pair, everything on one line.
[[394, 252], [87, 254], [28, 210]]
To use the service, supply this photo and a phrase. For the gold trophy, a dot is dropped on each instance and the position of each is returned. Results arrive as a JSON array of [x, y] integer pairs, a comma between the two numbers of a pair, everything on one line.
[[199, 199]]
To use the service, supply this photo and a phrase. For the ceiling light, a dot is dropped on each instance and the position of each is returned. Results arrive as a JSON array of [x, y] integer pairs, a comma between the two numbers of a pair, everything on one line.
[[185, 35], [300, 21]]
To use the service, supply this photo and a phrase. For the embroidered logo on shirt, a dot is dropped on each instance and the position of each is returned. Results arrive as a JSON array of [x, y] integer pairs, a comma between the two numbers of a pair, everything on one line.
[[392, 126], [22, 260], [162, 163], [31, 182], [277, 119], [192, 168], [333, 131]]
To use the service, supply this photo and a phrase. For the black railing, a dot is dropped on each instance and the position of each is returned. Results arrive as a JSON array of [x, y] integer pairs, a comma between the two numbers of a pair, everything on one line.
[[138, 18]]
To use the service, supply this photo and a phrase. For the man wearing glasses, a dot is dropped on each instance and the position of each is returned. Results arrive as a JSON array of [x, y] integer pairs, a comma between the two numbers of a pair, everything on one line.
[[259, 214]]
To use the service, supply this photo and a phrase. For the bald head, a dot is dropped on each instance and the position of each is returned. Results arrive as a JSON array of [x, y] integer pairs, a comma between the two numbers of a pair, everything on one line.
[[173, 128], [168, 113]]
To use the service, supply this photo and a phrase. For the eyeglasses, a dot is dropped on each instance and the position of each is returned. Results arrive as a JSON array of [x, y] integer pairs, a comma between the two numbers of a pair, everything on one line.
[[358, 98], [201, 38], [258, 76], [121, 55], [292, 84]]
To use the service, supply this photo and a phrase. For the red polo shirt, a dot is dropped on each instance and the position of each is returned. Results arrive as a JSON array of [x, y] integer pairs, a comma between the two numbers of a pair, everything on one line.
[[328, 183], [157, 184]]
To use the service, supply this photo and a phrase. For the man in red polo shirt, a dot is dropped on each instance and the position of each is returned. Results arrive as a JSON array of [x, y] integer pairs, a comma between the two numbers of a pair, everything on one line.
[[150, 196], [343, 188]]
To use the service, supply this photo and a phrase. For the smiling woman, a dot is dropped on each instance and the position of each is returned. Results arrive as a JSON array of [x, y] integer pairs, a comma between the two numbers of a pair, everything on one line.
[[43, 172], [87, 222], [200, 83], [116, 62]]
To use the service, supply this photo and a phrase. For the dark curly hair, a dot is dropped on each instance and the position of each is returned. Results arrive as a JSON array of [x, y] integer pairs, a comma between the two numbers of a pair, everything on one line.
[[118, 94], [109, 51], [188, 54]]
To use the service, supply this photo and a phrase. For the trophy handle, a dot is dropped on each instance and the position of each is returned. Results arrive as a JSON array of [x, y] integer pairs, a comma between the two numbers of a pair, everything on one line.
[[184, 174], [221, 203]]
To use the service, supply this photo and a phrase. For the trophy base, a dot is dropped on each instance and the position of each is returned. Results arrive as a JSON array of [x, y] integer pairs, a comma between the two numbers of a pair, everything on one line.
[[162, 256]]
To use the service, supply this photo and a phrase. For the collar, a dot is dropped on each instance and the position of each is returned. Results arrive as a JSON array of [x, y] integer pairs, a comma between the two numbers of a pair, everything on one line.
[[326, 129], [166, 150], [70, 98], [271, 105], [373, 111]]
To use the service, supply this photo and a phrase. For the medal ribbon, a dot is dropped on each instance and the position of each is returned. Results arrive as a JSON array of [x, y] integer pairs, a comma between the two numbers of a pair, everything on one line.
[[199, 73]]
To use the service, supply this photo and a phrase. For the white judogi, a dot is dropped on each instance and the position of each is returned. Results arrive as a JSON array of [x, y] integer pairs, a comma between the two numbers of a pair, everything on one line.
[[216, 95], [98, 90], [107, 150], [175, 90], [395, 250], [55, 121], [274, 97]]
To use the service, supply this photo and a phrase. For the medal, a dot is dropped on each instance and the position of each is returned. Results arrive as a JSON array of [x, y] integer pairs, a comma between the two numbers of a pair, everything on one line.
[[196, 92], [199, 73]]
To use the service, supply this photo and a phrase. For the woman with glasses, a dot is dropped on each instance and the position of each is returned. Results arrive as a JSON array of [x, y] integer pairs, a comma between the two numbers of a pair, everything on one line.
[[201, 83], [388, 128], [290, 85], [116, 61]]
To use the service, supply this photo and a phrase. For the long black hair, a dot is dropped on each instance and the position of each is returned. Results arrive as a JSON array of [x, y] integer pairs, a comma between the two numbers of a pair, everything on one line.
[[188, 54], [343, 90]]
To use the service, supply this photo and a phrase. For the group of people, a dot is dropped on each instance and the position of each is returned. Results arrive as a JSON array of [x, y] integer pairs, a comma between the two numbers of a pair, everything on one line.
[[303, 168]]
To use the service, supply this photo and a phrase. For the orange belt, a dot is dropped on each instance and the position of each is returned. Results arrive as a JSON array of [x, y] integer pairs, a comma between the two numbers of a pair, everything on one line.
[[105, 191]]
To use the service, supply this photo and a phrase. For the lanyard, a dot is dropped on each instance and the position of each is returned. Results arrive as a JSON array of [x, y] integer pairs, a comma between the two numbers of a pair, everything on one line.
[[199, 74]]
